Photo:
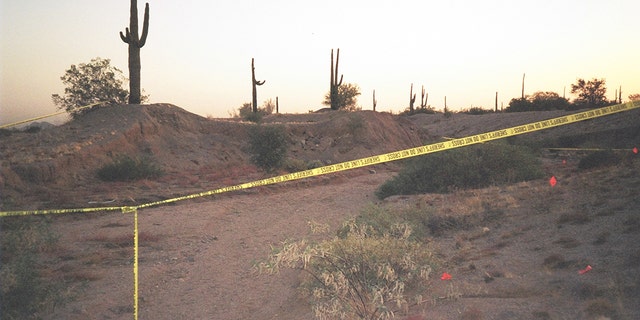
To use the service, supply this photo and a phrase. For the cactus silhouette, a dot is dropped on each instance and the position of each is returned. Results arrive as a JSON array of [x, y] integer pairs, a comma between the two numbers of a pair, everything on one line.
[[255, 83], [333, 89], [375, 102], [412, 99], [423, 99], [135, 43]]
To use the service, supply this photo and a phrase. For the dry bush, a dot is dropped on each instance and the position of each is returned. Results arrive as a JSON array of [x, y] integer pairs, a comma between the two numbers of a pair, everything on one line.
[[360, 276]]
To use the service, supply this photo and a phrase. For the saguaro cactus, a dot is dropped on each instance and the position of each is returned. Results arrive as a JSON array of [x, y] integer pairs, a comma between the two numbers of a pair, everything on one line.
[[423, 98], [412, 99], [135, 43], [375, 102], [333, 89], [522, 97], [255, 83]]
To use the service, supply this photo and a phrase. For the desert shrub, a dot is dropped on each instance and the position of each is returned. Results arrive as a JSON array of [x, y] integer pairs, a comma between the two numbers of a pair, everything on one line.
[[358, 276], [268, 146], [33, 129], [295, 165], [254, 117], [24, 291], [5, 132], [599, 159], [425, 110], [464, 168], [125, 168], [385, 222], [476, 111]]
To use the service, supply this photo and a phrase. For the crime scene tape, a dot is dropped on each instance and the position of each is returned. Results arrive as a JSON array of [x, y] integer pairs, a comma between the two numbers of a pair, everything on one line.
[[417, 151], [347, 165], [47, 116], [369, 161]]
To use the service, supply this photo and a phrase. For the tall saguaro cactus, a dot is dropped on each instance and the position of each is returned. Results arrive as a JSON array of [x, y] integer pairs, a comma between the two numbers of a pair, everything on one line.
[[135, 43], [255, 83], [412, 98], [375, 102], [423, 98], [333, 89]]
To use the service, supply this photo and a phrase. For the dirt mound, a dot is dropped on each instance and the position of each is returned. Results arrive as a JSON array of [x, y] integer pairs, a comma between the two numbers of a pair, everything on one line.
[[614, 131], [331, 137], [57, 167]]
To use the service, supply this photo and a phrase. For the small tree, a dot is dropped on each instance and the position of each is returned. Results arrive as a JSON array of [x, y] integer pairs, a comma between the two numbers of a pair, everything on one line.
[[87, 83], [519, 105], [634, 97], [548, 101], [591, 94], [345, 97]]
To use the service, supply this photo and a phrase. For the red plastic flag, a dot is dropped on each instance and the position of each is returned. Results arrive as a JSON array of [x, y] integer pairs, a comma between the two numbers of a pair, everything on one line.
[[445, 276], [635, 150], [553, 181], [585, 270]]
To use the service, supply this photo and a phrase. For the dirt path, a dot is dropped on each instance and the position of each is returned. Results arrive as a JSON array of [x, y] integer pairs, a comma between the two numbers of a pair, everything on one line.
[[196, 259]]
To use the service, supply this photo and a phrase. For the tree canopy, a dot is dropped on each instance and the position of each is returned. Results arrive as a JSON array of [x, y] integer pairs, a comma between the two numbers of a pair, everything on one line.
[[539, 101], [87, 83], [346, 97], [591, 94]]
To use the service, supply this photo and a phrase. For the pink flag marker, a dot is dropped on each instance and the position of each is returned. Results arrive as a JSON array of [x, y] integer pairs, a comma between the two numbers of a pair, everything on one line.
[[445, 276], [585, 270], [553, 181]]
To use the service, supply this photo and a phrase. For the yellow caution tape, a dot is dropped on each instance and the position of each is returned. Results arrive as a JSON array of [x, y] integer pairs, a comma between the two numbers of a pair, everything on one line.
[[59, 211], [47, 116], [135, 264]]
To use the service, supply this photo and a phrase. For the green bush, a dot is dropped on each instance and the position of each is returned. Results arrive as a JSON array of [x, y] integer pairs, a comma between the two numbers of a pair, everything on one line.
[[268, 145], [599, 159], [464, 168], [125, 168], [254, 117]]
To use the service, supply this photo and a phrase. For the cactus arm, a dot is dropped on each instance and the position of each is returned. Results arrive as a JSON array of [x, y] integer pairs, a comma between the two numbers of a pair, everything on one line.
[[127, 37], [145, 27], [259, 83]]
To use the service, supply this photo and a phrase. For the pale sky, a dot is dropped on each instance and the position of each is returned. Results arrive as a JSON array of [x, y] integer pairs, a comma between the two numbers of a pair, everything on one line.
[[198, 52]]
